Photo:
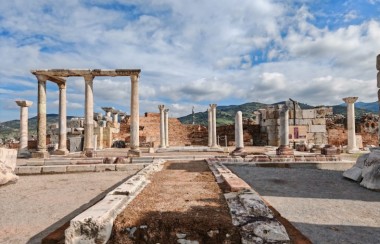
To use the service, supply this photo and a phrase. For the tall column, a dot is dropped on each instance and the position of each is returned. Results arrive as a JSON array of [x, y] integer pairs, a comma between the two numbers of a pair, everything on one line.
[[284, 148], [88, 147], [115, 119], [41, 119], [213, 126], [351, 136], [135, 114], [62, 147], [209, 127], [166, 113], [162, 126], [23, 147]]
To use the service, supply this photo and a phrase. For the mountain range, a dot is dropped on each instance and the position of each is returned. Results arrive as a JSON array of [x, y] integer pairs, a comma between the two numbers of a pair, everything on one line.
[[224, 114]]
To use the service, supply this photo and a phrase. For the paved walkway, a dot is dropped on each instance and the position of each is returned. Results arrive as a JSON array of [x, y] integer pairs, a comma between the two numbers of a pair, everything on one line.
[[38, 205], [322, 204]]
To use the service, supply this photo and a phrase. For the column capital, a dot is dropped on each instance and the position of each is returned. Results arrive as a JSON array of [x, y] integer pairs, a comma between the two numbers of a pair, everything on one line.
[[41, 78], [88, 78], [166, 110], [108, 109], [213, 105], [24, 103], [161, 107], [134, 78], [62, 86], [350, 99]]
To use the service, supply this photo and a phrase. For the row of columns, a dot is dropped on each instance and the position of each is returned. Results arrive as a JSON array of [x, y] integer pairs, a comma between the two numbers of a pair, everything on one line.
[[164, 126], [89, 117]]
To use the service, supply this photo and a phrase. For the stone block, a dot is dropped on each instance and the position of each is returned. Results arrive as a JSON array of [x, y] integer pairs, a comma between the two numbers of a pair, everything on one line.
[[54, 169], [308, 114], [354, 174], [378, 79], [319, 121], [105, 167], [8, 157], [35, 162], [29, 170], [80, 168], [268, 232], [61, 161], [122, 167], [317, 128]]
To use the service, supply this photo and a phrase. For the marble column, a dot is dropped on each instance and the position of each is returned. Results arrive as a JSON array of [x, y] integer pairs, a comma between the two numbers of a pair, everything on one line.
[[88, 147], [23, 147], [213, 126], [108, 111], [135, 142], [239, 140], [115, 118], [166, 113], [62, 147], [41, 119], [284, 148], [209, 127], [162, 126], [351, 136]]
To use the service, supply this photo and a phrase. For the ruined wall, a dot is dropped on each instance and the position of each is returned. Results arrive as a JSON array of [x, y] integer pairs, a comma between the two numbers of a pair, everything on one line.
[[179, 134]]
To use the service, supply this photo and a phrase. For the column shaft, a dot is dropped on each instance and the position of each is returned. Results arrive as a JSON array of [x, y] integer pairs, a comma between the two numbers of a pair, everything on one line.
[[166, 113], [89, 116], [239, 130], [284, 126], [62, 147], [23, 146], [209, 127], [41, 116], [351, 135], [135, 142], [162, 126], [214, 142]]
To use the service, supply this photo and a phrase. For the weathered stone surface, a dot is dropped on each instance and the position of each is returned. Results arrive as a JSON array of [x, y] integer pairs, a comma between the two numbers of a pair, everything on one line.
[[7, 175], [29, 170], [268, 231], [105, 167], [371, 171], [80, 168], [54, 169], [353, 173], [317, 128]]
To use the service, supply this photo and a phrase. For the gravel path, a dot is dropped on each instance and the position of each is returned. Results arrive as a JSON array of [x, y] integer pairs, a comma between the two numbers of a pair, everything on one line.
[[37, 205], [322, 204]]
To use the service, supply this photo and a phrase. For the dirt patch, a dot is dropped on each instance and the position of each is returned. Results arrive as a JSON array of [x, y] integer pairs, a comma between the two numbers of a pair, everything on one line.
[[183, 201]]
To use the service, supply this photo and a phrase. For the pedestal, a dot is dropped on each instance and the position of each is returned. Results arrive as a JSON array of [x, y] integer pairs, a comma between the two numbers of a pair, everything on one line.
[[284, 150]]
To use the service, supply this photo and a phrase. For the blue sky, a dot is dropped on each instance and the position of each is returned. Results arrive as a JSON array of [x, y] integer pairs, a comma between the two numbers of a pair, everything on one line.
[[191, 53]]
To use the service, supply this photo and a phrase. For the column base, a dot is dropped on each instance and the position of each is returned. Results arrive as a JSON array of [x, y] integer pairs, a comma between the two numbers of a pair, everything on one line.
[[284, 150], [134, 153], [354, 150], [40, 154], [89, 152], [214, 146], [239, 151], [61, 152]]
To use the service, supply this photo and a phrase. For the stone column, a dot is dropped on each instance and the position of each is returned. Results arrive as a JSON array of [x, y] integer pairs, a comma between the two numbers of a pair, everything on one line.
[[351, 136], [162, 126], [239, 130], [23, 147], [209, 127], [166, 113], [108, 111], [62, 147], [88, 146], [41, 119], [115, 119], [284, 148], [213, 126], [135, 142]]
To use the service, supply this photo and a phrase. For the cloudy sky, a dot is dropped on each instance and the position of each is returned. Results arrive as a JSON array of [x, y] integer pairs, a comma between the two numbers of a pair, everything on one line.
[[191, 53]]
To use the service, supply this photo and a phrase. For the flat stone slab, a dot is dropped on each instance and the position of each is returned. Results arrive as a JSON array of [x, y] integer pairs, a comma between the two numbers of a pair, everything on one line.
[[354, 174]]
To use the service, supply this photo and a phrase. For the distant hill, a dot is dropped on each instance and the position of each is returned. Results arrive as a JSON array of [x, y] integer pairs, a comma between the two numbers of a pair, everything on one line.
[[10, 129], [226, 114]]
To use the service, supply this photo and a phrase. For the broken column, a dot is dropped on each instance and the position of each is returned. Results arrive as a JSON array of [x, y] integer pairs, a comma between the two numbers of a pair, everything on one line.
[[135, 140], [213, 126], [284, 148], [62, 146], [23, 151], [209, 127], [115, 118], [88, 146], [108, 111], [351, 143], [41, 119], [239, 139], [166, 113], [162, 126]]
